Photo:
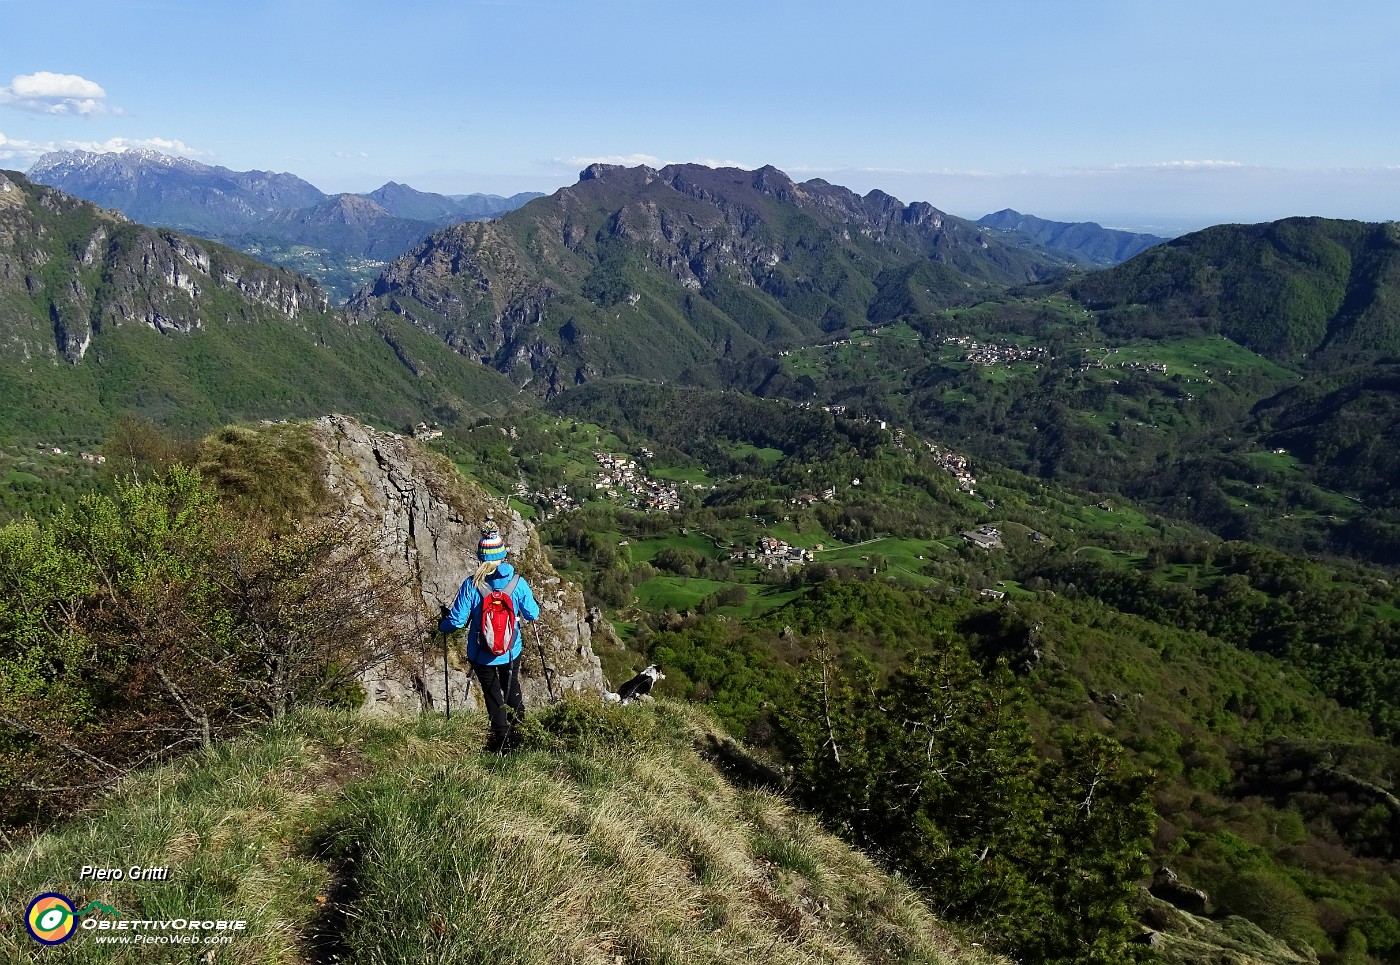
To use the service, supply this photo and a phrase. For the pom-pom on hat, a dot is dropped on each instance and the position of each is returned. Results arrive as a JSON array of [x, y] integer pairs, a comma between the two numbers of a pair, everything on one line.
[[491, 549]]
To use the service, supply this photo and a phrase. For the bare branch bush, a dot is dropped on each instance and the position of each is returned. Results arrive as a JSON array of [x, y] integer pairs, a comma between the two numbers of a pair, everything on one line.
[[157, 621]]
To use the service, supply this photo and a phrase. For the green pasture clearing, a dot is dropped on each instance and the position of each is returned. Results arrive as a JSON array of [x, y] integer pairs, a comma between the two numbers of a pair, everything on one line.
[[17, 478], [808, 361], [1101, 555], [1281, 462], [675, 592], [900, 331], [1206, 356], [681, 474], [1193, 575], [765, 598], [646, 550], [1003, 373], [893, 554], [767, 454], [1386, 611], [811, 535], [1119, 518]]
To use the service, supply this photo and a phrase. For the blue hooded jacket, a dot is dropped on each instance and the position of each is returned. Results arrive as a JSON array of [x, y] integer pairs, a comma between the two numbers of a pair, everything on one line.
[[466, 612]]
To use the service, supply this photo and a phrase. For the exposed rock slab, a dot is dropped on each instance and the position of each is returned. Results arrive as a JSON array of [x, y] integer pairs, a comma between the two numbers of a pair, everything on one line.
[[428, 518]]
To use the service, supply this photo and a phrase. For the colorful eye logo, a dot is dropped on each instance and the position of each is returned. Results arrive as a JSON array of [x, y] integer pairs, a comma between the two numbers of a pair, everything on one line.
[[50, 919]]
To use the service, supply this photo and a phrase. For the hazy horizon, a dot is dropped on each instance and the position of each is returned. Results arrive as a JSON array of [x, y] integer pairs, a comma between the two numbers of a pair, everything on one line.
[[1103, 110]]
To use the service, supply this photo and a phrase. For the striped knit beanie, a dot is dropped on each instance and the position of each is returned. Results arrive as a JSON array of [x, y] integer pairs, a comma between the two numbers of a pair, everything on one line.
[[491, 549]]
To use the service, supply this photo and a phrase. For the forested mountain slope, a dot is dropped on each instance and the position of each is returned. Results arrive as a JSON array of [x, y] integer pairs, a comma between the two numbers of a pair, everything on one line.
[[1085, 242], [1302, 291]]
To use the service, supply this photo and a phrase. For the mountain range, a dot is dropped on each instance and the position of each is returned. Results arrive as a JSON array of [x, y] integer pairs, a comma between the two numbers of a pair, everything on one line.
[[276, 217], [100, 315], [662, 273], [710, 277], [1086, 242]]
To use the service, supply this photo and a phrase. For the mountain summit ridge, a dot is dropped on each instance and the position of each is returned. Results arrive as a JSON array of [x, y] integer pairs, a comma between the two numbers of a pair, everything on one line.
[[655, 272]]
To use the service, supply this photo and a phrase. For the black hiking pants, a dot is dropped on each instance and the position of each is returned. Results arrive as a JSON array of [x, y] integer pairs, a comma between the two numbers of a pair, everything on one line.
[[500, 688]]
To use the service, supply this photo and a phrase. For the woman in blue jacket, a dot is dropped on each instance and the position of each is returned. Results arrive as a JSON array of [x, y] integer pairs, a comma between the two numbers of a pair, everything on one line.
[[499, 675]]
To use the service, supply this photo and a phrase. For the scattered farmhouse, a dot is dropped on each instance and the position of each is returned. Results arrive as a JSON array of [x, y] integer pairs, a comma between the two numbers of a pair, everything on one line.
[[985, 537]]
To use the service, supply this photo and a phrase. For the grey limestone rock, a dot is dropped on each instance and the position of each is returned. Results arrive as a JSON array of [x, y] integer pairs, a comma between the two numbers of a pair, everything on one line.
[[428, 519]]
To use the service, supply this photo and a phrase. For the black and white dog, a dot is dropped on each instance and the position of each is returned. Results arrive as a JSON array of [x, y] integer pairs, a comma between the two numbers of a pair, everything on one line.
[[639, 687]]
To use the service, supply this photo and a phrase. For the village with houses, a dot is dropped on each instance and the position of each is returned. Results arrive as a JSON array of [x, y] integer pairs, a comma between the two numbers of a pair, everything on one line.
[[621, 478], [954, 464], [990, 353], [1157, 368], [618, 477], [773, 553]]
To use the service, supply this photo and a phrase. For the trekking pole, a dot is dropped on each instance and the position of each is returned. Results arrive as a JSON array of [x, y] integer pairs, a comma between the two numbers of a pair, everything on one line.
[[548, 679], [446, 692]]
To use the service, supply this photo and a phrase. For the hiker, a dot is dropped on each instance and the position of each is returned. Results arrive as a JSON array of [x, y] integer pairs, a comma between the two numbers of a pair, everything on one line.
[[493, 583]]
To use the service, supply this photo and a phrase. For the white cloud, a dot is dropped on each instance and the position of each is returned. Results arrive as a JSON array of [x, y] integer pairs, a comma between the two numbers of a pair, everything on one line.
[[12, 149], [1178, 166], [49, 93], [351, 155]]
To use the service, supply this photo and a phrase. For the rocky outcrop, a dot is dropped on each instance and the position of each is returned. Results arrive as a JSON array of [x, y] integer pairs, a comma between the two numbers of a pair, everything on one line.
[[1171, 889], [1179, 937], [427, 518]]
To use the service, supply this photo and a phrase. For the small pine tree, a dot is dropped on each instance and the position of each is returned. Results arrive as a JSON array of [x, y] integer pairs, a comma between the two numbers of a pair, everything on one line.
[[935, 771]]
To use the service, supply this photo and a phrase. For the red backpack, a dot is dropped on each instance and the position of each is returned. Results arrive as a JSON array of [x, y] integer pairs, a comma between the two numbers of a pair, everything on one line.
[[498, 619]]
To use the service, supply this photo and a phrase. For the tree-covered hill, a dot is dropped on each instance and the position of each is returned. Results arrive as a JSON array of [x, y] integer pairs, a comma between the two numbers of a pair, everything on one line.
[[1301, 290], [1257, 689], [658, 273]]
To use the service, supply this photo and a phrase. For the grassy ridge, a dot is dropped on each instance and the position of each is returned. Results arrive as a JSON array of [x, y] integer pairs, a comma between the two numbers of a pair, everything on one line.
[[341, 837]]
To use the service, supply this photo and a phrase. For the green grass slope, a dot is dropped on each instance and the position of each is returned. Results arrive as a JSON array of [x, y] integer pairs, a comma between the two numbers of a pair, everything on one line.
[[340, 837]]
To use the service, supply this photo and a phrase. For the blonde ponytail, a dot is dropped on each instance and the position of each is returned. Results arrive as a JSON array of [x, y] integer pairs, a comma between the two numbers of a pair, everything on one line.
[[486, 569]]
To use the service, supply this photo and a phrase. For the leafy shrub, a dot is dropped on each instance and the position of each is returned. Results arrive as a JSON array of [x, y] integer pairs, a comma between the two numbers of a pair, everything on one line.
[[139, 625]]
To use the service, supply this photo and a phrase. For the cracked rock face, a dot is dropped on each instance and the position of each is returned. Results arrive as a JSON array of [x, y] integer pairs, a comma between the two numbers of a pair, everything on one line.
[[428, 519]]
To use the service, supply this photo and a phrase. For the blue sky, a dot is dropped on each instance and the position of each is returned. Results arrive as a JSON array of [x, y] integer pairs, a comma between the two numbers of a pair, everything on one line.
[[1132, 113]]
